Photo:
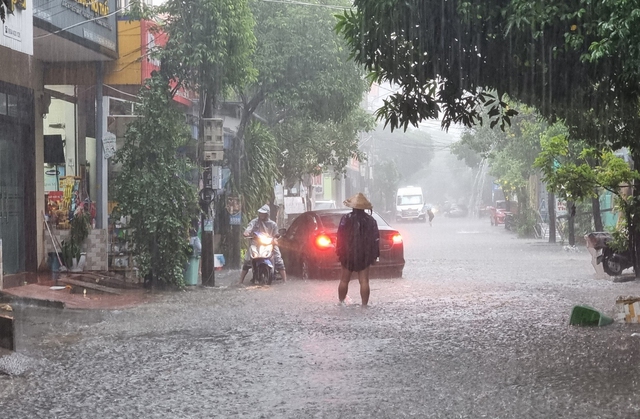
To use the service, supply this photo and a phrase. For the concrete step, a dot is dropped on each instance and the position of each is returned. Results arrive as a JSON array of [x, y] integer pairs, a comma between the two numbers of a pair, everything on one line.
[[106, 279], [79, 283]]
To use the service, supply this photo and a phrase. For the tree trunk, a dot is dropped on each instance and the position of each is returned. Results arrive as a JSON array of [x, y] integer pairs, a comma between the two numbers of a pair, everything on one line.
[[597, 216], [633, 219], [571, 222], [551, 203]]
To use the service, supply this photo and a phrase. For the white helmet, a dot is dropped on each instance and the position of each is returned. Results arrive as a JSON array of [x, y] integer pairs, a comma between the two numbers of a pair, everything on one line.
[[264, 209]]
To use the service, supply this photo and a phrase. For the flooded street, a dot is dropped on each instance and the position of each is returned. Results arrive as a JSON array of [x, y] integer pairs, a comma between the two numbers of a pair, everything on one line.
[[477, 327]]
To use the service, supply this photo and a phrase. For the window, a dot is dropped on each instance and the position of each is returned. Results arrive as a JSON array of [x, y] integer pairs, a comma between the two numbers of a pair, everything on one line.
[[410, 200], [12, 105]]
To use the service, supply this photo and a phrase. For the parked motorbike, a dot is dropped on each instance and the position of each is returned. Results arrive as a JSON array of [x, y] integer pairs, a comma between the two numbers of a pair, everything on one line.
[[261, 252], [613, 263]]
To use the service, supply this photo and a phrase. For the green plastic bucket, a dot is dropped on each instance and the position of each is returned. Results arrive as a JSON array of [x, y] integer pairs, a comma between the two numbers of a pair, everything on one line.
[[191, 273], [588, 316]]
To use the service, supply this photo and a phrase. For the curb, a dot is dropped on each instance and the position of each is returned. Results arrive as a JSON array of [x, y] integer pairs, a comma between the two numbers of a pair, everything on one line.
[[31, 301]]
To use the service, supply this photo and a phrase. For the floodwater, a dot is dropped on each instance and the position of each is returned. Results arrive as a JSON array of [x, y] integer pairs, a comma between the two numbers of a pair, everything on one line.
[[477, 327]]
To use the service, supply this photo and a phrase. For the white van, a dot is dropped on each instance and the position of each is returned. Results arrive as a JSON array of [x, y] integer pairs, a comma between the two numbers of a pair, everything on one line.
[[410, 204]]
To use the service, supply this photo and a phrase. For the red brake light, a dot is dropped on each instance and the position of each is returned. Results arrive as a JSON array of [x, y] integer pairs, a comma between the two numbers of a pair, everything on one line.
[[397, 238], [323, 241]]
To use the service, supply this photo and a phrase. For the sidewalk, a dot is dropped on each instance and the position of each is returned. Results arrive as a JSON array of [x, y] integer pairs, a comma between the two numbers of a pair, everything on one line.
[[38, 291], [43, 294]]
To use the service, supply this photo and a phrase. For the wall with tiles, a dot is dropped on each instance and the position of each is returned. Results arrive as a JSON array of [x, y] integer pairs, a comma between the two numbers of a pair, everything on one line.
[[95, 246]]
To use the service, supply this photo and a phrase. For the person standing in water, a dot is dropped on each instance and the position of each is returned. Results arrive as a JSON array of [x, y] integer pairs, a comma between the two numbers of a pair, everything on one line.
[[357, 246]]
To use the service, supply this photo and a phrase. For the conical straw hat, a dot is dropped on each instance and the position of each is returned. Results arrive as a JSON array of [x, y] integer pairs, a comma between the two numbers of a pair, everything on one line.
[[358, 201]]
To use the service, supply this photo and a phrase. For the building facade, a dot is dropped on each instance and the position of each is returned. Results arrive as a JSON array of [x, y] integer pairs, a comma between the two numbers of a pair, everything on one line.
[[52, 55]]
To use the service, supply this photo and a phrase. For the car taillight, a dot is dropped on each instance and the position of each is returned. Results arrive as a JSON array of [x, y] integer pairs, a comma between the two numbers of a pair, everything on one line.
[[397, 238], [323, 241]]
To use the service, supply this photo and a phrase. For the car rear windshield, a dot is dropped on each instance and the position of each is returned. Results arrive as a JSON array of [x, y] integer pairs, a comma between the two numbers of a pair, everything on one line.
[[332, 221], [324, 205]]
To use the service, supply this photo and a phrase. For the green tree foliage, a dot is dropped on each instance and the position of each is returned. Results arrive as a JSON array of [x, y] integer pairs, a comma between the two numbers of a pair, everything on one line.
[[565, 58], [260, 170], [302, 64], [510, 153], [308, 146], [209, 44], [575, 174], [152, 187], [306, 88]]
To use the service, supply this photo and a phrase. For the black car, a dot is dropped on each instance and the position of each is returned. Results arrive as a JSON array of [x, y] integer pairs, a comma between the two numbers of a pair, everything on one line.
[[308, 246], [457, 211]]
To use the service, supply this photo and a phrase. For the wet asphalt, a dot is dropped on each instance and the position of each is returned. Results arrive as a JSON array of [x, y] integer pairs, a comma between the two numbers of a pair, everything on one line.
[[478, 327]]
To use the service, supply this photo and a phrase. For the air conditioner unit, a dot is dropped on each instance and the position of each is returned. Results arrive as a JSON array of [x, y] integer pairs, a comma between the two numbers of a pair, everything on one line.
[[213, 130]]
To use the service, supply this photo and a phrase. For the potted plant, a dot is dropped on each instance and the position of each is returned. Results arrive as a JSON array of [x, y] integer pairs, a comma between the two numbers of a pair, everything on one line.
[[72, 247]]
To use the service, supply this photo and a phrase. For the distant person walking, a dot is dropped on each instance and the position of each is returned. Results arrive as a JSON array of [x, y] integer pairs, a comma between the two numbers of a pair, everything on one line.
[[357, 246], [430, 213]]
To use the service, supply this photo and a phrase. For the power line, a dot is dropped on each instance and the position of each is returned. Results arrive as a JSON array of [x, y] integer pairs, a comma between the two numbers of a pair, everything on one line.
[[299, 3]]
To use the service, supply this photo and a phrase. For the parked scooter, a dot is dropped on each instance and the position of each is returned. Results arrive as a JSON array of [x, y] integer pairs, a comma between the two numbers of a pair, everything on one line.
[[261, 252], [613, 263]]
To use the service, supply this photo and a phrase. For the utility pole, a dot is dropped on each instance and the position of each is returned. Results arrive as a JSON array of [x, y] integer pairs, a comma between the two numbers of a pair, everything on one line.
[[211, 141]]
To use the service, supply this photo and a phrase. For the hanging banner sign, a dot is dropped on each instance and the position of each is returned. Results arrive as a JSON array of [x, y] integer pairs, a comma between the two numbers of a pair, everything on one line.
[[109, 145]]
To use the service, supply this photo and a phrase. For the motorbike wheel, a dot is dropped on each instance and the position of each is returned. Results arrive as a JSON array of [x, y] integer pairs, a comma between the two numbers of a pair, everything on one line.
[[611, 267], [263, 275]]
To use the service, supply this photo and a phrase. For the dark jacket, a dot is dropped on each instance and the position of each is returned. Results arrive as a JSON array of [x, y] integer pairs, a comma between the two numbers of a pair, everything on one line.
[[358, 241]]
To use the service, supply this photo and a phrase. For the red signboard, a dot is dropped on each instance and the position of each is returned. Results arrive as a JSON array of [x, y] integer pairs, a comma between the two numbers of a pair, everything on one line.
[[151, 38], [55, 195]]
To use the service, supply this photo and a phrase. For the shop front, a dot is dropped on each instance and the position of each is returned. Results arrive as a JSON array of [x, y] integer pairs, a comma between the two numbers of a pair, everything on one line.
[[73, 39]]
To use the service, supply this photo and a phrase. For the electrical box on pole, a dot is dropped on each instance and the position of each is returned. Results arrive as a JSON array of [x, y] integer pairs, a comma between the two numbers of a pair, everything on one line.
[[213, 144], [213, 131], [212, 177]]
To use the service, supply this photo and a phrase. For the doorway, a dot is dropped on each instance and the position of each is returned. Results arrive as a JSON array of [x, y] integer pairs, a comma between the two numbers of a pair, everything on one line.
[[12, 228]]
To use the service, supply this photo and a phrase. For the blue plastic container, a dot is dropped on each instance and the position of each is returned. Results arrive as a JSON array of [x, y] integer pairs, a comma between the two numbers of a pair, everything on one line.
[[53, 262], [191, 273]]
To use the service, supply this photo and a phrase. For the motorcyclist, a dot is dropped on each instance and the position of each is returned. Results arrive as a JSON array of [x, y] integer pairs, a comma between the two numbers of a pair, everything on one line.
[[263, 224]]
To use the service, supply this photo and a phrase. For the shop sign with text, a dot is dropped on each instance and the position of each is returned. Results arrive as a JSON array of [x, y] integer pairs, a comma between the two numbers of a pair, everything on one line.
[[17, 30], [92, 21]]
